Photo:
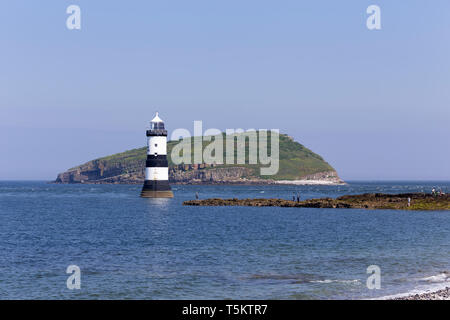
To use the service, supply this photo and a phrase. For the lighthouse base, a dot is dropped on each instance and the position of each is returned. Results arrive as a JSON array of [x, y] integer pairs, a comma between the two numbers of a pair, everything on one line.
[[156, 194], [156, 189]]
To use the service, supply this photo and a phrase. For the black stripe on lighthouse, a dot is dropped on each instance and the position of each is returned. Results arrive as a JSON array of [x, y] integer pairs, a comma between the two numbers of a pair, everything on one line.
[[156, 185], [156, 161]]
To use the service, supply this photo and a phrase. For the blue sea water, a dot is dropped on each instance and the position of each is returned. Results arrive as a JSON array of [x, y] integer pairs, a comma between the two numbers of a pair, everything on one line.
[[133, 248]]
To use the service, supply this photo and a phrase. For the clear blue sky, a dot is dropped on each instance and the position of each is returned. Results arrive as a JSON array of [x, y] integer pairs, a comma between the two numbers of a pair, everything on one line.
[[374, 104]]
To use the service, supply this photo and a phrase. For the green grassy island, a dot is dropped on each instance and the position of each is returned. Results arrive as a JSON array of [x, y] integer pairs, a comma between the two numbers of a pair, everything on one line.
[[297, 165]]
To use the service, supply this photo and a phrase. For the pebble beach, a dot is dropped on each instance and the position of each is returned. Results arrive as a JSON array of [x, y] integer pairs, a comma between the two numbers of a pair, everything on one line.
[[443, 294]]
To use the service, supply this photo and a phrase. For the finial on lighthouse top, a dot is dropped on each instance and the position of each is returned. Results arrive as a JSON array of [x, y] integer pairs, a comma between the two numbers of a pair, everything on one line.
[[157, 118]]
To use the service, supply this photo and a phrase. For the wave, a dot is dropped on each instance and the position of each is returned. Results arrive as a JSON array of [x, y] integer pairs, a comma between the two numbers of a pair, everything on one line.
[[336, 281], [439, 278], [301, 278], [435, 283]]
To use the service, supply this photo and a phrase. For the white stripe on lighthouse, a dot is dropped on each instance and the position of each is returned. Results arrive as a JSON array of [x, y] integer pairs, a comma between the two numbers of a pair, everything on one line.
[[157, 173], [157, 145]]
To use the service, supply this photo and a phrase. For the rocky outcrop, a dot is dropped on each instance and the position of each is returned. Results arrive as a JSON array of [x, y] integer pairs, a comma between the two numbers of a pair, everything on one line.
[[417, 201], [98, 171], [193, 174]]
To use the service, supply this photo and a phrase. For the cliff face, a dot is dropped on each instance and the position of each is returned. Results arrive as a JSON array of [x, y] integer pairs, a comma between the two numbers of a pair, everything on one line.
[[297, 165], [96, 172], [99, 171], [207, 174]]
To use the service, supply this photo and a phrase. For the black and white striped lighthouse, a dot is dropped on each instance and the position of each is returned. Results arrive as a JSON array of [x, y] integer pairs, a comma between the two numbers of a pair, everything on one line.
[[156, 183]]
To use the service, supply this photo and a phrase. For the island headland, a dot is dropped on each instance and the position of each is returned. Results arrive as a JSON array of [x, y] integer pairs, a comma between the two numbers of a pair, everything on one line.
[[297, 165]]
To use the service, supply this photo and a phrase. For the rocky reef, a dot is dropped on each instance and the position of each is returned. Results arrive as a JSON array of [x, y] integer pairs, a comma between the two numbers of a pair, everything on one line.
[[418, 201]]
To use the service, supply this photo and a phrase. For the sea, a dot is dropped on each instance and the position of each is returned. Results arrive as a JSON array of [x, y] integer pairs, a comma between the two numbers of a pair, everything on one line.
[[127, 247]]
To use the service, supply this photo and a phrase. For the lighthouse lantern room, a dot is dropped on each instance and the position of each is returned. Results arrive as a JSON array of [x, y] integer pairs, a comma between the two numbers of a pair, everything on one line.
[[156, 183]]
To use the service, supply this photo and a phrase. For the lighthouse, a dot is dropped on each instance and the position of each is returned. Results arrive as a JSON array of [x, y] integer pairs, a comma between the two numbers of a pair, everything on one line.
[[156, 183]]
